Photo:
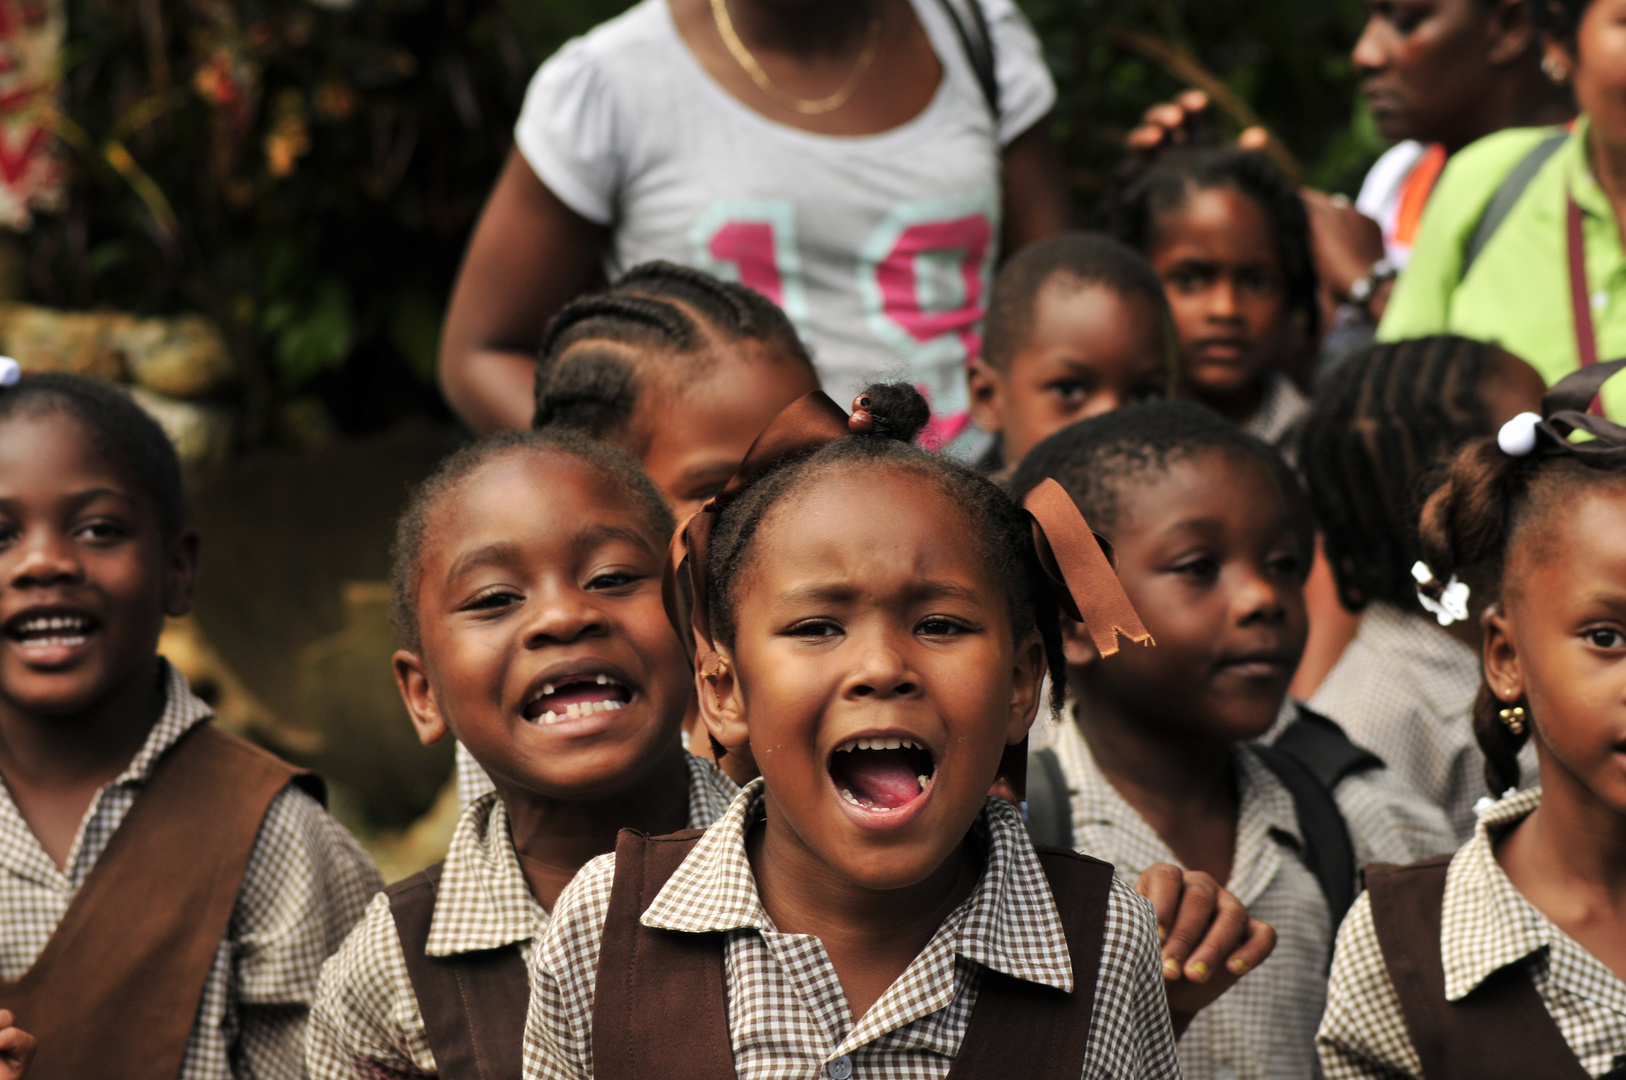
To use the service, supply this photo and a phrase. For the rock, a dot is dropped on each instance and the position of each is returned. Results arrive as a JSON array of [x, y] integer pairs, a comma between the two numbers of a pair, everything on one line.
[[202, 434], [184, 357]]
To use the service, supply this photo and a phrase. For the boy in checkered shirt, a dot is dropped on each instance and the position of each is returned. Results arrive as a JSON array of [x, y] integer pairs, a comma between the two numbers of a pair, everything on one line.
[[528, 597], [875, 626]]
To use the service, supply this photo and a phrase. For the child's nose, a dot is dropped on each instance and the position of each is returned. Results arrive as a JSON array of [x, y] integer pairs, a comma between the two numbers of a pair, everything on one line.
[[1258, 598], [561, 618], [48, 558], [882, 672], [1222, 300]]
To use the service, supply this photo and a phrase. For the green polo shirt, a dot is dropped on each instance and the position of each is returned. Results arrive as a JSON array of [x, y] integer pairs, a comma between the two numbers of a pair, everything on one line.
[[1517, 293]]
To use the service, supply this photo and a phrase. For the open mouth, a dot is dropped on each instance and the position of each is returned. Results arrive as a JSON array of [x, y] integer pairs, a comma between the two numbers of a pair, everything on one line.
[[882, 772], [57, 630], [575, 696]]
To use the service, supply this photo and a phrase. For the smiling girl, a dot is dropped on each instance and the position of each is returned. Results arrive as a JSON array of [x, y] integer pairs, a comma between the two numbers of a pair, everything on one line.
[[1510, 958], [528, 599], [881, 626]]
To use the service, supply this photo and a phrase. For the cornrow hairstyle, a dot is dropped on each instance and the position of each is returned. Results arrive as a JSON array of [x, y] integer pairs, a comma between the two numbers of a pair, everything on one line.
[[1097, 460], [412, 530], [1487, 499], [1081, 259], [1000, 528], [120, 430], [1143, 191], [597, 350], [1378, 432]]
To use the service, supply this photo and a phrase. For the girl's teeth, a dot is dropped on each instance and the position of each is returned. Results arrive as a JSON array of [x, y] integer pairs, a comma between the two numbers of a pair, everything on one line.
[[547, 689], [850, 797], [923, 781], [604, 680]]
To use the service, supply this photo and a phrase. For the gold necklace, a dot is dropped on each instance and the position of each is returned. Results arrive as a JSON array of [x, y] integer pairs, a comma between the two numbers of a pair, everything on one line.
[[805, 106]]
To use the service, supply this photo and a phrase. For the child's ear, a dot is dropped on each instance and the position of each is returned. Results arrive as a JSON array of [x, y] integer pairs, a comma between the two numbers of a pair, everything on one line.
[[987, 392], [1076, 644], [1503, 673], [419, 697], [1027, 688], [180, 574], [722, 709], [1514, 30]]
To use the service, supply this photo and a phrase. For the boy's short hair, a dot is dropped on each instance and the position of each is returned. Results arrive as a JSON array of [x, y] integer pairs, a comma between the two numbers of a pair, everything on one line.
[[1095, 459], [1080, 258], [411, 529], [587, 376], [124, 435]]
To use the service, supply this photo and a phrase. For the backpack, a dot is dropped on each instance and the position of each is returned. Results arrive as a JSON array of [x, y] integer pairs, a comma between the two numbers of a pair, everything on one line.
[[1311, 758], [971, 27], [1507, 193]]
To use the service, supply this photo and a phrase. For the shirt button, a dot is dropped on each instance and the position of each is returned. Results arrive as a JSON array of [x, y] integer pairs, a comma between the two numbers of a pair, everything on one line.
[[1600, 300], [841, 1068]]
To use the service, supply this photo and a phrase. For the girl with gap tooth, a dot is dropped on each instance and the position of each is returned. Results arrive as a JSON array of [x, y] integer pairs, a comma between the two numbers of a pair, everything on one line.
[[539, 640], [875, 625]]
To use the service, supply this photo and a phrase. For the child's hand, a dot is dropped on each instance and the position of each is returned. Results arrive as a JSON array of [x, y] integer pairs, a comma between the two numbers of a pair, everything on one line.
[[1209, 941], [16, 1048]]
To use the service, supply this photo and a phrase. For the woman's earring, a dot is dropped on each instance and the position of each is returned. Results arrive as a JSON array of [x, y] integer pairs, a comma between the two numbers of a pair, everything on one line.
[[1555, 71], [1513, 718]]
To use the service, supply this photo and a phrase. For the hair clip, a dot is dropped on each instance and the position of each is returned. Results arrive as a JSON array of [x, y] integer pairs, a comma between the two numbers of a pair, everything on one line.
[[1449, 602], [1486, 802], [1518, 436], [10, 371], [861, 421]]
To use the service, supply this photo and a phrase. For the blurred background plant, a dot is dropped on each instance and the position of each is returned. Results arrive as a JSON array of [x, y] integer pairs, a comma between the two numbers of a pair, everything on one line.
[[307, 172]]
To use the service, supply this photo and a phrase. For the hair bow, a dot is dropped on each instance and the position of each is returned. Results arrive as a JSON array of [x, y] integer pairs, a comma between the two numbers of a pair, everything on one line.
[[1564, 412]]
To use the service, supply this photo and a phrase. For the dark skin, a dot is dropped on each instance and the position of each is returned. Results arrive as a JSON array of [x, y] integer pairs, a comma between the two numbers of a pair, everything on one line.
[[1558, 643], [1595, 64], [1090, 349], [530, 253], [889, 623], [1216, 255], [78, 540], [516, 597], [1214, 564], [16, 1048]]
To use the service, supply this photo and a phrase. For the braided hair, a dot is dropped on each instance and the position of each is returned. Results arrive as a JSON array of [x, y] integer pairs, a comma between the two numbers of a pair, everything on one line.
[[997, 524], [1485, 504], [120, 430], [1145, 190], [597, 350], [612, 465], [1381, 425]]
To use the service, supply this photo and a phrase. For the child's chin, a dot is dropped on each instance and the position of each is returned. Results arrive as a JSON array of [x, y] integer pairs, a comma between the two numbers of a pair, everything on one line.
[[53, 693]]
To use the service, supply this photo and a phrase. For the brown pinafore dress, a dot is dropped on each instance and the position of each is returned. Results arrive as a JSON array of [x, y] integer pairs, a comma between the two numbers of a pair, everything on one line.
[[661, 1007], [116, 990], [1501, 1029]]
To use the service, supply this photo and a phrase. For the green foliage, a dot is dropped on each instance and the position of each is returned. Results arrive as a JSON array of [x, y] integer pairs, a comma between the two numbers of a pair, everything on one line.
[[308, 172]]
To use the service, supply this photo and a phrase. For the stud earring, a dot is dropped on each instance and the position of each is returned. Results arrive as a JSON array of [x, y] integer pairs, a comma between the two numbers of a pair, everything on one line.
[[1555, 71], [1513, 719]]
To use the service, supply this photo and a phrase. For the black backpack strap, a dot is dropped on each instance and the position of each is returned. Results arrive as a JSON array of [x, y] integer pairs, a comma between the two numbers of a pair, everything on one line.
[[1329, 853], [1321, 746], [1507, 194], [978, 41], [1049, 808]]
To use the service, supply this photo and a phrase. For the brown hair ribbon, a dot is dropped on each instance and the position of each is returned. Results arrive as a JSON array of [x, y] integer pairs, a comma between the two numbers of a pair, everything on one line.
[[1564, 411]]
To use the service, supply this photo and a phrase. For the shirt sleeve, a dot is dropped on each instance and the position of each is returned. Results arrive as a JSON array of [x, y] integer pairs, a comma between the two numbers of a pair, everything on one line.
[[1363, 1032], [366, 1021], [1390, 822], [564, 976], [568, 132], [307, 883], [1421, 302], [1130, 1032], [1026, 91]]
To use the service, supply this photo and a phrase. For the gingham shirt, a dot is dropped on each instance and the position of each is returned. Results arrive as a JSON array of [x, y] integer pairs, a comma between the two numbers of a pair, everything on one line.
[[366, 1014], [1264, 1027], [1281, 411], [1485, 925], [787, 1014], [1404, 689], [306, 884], [472, 781]]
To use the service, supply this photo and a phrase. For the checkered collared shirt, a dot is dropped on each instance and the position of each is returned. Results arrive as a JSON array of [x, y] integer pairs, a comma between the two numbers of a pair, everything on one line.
[[1486, 924], [1404, 689], [1264, 1027], [366, 1021], [787, 1014], [1281, 412], [472, 781], [306, 884]]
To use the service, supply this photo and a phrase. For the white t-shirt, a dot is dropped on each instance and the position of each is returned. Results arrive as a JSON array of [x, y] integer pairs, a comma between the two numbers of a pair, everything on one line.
[[1385, 189], [880, 248]]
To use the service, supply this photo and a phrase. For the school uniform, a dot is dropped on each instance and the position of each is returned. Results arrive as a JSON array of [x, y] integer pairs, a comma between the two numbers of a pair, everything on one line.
[[368, 1019], [472, 781], [1404, 689], [786, 1013], [1280, 415], [1264, 1027], [1488, 940], [303, 884]]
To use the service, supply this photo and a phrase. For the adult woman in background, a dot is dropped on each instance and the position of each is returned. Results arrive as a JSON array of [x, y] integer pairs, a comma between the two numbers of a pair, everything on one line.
[[845, 157], [1521, 244]]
